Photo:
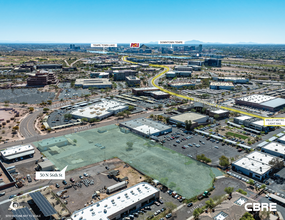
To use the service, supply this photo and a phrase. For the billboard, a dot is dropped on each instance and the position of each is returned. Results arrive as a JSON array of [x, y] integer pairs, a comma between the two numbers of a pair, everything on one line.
[[134, 45]]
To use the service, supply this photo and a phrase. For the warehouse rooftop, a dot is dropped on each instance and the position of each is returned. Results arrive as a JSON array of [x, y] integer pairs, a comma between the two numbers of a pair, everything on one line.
[[276, 147], [256, 98], [221, 84], [17, 149], [113, 204]]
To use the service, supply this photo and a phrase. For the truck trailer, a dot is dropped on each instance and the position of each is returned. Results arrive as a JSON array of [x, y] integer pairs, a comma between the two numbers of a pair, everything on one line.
[[117, 186]]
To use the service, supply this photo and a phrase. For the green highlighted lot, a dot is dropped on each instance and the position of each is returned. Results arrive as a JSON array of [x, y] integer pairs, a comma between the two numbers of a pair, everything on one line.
[[183, 174], [236, 135]]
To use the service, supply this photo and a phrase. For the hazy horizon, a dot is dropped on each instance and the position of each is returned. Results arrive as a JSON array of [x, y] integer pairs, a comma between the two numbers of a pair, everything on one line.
[[226, 22]]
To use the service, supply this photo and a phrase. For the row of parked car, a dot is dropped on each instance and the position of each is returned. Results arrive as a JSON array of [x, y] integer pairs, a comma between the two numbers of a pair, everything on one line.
[[175, 195]]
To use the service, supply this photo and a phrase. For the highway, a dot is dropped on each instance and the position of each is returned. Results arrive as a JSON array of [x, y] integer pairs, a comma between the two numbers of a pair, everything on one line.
[[166, 69]]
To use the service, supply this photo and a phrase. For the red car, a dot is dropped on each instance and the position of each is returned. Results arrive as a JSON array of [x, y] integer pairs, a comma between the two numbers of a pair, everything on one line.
[[19, 194], [184, 147], [72, 180]]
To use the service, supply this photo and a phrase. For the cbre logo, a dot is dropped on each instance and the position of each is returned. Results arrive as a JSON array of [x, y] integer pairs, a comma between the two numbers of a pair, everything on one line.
[[260, 206], [135, 45]]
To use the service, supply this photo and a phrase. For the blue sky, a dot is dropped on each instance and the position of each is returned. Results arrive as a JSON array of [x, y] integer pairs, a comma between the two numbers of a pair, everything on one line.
[[124, 21]]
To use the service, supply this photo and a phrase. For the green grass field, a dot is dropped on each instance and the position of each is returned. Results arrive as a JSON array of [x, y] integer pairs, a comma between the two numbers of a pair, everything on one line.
[[237, 135]]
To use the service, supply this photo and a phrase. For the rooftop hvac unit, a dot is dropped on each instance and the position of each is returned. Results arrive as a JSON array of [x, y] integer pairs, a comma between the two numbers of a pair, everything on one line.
[[252, 164]]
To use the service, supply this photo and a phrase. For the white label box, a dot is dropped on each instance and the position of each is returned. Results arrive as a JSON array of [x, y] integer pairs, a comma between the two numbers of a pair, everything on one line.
[[51, 175], [171, 42], [274, 122], [103, 45]]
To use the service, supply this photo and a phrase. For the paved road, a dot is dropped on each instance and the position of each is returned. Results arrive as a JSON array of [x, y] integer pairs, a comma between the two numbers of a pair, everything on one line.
[[191, 98], [38, 137], [66, 63], [27, 125]]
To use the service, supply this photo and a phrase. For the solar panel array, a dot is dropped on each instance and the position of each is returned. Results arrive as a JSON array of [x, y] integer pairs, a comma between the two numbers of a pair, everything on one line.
[[45, 207], [23, 214]]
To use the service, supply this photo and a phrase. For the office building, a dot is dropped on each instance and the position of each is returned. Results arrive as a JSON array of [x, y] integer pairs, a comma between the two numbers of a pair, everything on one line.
[[179, 85], [222, 85], [146, 127], [195, 62], [196, 67], [193, 117], [42, 78], [183, 68], [213, 62], [133, 81], [252, 124], [120, 75], [48, 66], [17, 152], [159, 95], [231, 79], [120, 204], [93, 83], [170, 74], [255, 165], [143, 90], [99, 110], [200, 48], [263, 102], [275, 149], [218, 114]]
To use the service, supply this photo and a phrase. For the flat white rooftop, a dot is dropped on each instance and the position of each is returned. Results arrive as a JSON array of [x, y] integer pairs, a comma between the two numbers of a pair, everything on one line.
[[232, 78], [282, 139], [256, 98], [252, 165], [261, 122], [114, 204], [221, 84], [244, 117], [220, 111], [16, 150], [100, 109], [147, 129], [275, 147], [256, 162]]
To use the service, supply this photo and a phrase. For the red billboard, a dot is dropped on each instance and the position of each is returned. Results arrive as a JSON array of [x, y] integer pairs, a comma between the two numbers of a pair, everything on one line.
[[135, 45]]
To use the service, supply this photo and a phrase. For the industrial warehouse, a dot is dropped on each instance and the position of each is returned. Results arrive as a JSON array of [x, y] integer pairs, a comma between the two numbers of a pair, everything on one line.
[[263, 102], [275, 149], [222, 85], [100, 83], [255, 165], [146, 127], [120, 204], [255, 125], [17, 152], [231, 79], [100, 110], [193, 117]]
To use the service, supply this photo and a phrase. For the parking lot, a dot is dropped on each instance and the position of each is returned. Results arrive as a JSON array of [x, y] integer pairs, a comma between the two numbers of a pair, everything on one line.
[[28, 95], [56, 118], [70, 93], [194, 144]]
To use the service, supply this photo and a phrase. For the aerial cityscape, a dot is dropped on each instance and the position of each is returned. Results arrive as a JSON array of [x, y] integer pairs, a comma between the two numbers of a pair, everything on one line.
[[168, 120]]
